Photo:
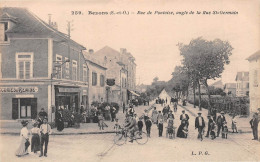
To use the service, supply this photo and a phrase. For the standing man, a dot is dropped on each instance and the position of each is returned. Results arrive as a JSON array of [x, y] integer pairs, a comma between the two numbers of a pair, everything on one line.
[[220, 121], [209, 125], [200, 124], [254, 126], [214, 113], [45, 130], [185, 117], [148, 124], [42, 114]]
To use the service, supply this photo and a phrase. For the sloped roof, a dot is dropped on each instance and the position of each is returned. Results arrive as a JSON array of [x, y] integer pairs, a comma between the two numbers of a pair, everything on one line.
[[230, 86], [242, 76], [217, 84], [254, 56], [28, 23], [107, 50]]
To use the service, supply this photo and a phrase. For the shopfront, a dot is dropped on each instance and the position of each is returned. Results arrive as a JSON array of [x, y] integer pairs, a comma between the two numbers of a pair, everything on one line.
[[70, 98], [22, 102]]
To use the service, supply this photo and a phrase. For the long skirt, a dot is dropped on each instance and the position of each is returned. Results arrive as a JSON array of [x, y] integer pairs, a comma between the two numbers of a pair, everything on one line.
[[35, 144], [21, 149], [60, 125]]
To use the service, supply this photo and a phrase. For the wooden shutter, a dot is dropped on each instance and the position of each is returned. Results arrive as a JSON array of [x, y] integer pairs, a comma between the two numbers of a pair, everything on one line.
[[15, 108], [34, 108]]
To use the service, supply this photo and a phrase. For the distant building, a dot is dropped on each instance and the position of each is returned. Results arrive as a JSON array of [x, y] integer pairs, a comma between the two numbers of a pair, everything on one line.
[[96, 77], [217, 84], [254, 77], [230, 89], [242, 84], [40, 67], [122, 68]]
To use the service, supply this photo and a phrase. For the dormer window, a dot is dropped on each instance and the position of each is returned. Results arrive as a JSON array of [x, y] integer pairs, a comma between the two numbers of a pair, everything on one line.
[[3, 28]]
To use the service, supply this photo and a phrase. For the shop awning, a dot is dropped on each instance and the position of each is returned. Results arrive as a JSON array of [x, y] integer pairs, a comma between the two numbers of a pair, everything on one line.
[[72, 90], [133, 93]]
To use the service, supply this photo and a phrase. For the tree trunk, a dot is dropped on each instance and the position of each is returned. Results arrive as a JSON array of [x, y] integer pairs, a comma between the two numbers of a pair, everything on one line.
[[194, 95], [209, 105], [199, 96]]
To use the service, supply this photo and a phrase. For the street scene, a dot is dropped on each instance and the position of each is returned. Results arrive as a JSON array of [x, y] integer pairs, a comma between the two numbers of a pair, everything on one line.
[[128, 81]]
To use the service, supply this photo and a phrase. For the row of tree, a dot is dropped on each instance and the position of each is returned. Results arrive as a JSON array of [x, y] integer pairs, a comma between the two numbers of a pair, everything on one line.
[[202, 61]]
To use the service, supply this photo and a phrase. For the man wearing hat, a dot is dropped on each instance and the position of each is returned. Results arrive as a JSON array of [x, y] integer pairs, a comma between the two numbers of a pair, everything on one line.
[[209, 125], [45, 130], [200, 124], [185, 117], [254, 126], [220, 121]]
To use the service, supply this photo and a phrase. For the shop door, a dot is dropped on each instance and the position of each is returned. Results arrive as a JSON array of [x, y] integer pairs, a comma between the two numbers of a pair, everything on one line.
[[28, 108]]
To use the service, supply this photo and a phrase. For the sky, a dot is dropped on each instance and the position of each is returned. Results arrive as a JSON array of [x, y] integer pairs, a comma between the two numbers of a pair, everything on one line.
[[152, 39]]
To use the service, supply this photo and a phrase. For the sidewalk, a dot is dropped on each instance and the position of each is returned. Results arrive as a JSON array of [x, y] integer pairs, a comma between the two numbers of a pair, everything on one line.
[[14, 127], [243, 125]]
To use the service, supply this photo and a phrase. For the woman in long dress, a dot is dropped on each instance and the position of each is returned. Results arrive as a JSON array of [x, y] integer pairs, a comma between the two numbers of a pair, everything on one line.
[[154, 115], [59, 120], [23, 149], [35, 141], [180, 132]]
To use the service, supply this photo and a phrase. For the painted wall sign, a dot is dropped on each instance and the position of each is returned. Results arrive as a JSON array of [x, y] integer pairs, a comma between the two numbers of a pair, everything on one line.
[[18, 89]]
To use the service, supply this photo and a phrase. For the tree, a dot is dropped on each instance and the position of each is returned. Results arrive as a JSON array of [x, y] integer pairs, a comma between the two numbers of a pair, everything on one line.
[[155, 79], [206, 59]]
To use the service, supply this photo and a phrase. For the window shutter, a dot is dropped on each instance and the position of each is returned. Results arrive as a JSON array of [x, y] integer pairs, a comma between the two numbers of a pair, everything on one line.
[[34, 108], [15, 108]]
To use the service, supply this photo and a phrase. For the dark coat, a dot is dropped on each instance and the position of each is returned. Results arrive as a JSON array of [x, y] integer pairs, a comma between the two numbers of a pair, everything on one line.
[[140, 124], [220, 120], [148, 123], [197, 122], [186, 116]]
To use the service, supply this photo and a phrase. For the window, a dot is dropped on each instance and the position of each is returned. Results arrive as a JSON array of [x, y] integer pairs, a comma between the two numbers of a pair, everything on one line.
[[24, 65], [94, 78], [58, 66], [3, 28], [67, 68], [102, 80], [85, 73], [255, 78], [74, 70]]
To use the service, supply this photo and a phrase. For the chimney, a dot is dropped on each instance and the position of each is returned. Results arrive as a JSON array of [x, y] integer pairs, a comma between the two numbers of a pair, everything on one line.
[[122, 50], [49, 19], [52, 24], [90, 51]]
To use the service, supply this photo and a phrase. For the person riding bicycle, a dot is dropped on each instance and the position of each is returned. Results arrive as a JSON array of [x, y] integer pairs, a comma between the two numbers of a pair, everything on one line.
[[131, 126]]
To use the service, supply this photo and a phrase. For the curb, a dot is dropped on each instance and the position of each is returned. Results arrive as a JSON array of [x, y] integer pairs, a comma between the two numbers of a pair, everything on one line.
[[193, 114], [61, 134]]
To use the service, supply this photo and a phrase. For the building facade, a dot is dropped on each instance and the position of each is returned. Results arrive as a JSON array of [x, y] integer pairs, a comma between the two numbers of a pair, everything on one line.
[[242, 84], [254, 77], [121, 67], [97, 79], [40, 67], [230, 89]]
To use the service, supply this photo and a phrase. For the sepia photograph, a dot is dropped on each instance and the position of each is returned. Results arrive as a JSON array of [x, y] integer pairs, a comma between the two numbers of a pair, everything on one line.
[[129, 80]]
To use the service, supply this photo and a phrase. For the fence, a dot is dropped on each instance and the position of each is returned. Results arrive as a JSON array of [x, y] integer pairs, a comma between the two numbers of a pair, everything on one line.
[[230, 105]]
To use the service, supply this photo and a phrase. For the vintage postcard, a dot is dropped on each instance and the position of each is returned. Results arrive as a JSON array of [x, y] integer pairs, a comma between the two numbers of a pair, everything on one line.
[[132, 81]]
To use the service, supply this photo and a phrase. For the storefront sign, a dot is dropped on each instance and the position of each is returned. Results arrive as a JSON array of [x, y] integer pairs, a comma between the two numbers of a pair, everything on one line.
[[18, 89]]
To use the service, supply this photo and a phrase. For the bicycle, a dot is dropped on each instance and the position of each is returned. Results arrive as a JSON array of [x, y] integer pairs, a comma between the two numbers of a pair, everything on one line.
[[121, 137]]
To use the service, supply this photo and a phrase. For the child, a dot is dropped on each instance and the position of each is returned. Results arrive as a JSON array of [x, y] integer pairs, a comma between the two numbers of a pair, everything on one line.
[[213, 130], [160, 127], [101, 121], [234, 124], [140, 125], [45, 130], [35, 141], [117, 126], [225, 130], [170, 127], [185, 131], [148, 124]]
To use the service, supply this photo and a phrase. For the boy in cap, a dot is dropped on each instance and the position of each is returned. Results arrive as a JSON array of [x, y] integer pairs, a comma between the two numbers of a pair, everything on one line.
[[148, 124]]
